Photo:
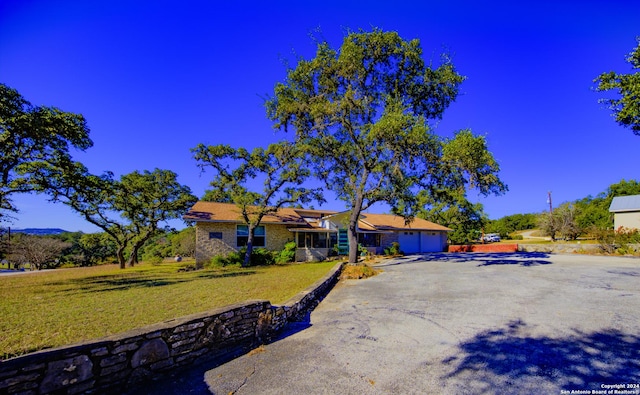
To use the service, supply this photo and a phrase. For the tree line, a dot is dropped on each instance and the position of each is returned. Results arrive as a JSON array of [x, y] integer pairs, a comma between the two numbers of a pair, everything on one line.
[[78, 249], [357, 119]]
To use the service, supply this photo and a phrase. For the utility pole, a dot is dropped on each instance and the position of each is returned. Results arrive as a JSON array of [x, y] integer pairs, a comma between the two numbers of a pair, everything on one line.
[[549, 201]]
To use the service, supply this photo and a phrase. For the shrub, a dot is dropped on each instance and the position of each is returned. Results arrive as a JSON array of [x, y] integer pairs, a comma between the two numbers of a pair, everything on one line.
[[516, 237], [393, 250], [616, 241], [261, 257], [232, 258], [288, 253]]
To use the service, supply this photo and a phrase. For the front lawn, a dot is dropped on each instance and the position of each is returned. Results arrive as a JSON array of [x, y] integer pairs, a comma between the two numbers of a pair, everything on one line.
[[57, 307]]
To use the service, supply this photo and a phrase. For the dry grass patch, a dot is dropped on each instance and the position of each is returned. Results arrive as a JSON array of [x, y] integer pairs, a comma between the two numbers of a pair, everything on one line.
[[358, 271], [64, 306]]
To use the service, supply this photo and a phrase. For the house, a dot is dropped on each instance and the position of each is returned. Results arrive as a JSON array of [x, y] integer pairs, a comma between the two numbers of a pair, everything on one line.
[[317, 233], [626, 211]]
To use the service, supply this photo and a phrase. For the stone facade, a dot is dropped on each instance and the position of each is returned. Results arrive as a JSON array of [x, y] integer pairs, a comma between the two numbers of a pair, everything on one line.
[[219, 238], [126, 361]]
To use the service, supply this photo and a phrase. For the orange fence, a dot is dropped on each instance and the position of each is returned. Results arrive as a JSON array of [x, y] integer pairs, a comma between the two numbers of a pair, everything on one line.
[[484, 248]]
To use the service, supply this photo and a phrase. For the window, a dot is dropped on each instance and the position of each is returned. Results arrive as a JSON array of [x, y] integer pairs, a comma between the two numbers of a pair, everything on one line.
[[215, 235], [369, 239], [259, 236], [312, 240]]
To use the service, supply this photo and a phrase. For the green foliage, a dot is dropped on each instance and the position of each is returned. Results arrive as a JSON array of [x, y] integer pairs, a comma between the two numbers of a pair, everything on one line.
[[259, 257], [617, 241], [281, 168], [362, 113], [626, 104], [288, 253], [33, 134], [506, 225], [143, 201], [393, 250], [262, 257], [453, 210], [362, 251]]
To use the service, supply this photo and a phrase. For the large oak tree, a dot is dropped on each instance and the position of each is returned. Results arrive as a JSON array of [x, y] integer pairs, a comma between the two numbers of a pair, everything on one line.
[[130, 210], [363, 110], [280, 169], [31, 134]]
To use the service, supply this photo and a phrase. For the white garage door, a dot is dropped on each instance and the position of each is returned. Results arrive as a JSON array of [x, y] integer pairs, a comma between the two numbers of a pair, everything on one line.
[[430, 242], [409, 242]]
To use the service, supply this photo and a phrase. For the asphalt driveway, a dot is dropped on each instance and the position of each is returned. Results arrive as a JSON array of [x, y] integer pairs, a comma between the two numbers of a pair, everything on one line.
[[453, 324]]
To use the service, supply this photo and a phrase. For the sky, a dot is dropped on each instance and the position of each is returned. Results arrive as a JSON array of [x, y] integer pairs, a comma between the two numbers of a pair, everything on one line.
[[156, 78]]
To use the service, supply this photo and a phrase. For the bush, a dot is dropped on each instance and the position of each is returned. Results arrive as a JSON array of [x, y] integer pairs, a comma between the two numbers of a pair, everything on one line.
[[616, 241], [393, 250], [232, 258], [261, 257], [288, 253], [516, 237]]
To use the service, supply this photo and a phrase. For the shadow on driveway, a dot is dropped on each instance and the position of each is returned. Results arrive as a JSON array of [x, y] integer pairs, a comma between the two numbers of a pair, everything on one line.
[[580, 361], [525, 259]]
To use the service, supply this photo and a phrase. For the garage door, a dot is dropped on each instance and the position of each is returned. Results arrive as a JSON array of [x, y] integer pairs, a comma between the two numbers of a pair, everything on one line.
[[409, 242], [430, 242]]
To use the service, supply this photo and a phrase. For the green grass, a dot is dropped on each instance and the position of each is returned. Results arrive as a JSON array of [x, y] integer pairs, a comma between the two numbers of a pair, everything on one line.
[[57, 307]]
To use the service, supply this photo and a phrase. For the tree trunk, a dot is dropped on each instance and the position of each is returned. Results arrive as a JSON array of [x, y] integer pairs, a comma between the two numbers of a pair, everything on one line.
[[247, 255], [133, 257], [120, 255], [353, 227]]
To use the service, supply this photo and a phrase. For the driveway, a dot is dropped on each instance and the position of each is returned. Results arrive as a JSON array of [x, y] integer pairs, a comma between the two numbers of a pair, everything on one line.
[[455, 323]]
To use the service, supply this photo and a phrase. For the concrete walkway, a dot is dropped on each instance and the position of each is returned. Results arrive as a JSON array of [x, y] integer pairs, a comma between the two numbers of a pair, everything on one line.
[[518, 323]]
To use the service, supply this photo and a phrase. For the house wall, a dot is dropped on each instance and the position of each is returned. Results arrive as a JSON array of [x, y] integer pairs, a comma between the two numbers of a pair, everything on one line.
[[206, 248], [630, 220]]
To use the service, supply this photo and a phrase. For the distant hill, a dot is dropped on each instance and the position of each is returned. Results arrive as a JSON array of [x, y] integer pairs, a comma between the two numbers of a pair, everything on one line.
[[39, 231]]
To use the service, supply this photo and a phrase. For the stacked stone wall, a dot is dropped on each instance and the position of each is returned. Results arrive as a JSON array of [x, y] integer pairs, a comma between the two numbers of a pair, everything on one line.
[[116, 363]]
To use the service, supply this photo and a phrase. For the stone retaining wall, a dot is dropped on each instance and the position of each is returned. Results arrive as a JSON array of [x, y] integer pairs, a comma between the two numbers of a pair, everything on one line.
[[560, 248], [111, 364]]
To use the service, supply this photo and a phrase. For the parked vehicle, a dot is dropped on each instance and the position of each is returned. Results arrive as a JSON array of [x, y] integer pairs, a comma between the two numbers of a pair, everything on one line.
[[491, 238]]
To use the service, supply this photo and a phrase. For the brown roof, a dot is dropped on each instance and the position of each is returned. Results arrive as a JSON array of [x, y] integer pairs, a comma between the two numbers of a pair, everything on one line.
[[395, 222], [228, 212]]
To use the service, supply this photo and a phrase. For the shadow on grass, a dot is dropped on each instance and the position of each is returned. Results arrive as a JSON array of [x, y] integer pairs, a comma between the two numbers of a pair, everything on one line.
[[496, 360], [137, 280], [525, 259]]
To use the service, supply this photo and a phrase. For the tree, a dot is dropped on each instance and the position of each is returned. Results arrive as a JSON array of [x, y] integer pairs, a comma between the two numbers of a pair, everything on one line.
[[281, 169], [37, 251], [626, 106], [511, 223], [362, 112], [465, 218], [548, 223], [142, 200], [33, 134], [566, 219], [148, 199], [96, 248], [184, 242]]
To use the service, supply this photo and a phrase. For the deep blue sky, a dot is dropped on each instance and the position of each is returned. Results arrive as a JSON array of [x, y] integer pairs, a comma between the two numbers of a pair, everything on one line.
[[155, 78]]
